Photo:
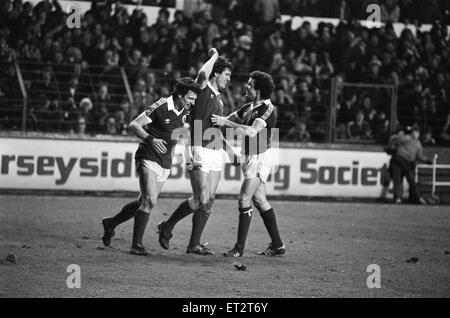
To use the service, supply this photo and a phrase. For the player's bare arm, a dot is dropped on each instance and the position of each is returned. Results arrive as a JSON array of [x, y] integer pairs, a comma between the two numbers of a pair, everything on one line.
[[137, 128], [206, 70], [234, 118], [250, 131]]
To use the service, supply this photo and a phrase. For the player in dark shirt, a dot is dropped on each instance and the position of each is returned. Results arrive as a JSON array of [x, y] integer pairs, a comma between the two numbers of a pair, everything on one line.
[[255, 121], [204, 157], [156, 128]]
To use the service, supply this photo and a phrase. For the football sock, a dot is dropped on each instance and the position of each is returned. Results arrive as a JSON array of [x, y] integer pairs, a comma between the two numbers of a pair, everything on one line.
[[180, 213], [270, 222], [199, 220], [140, 223], [245, 217], [127, 212]]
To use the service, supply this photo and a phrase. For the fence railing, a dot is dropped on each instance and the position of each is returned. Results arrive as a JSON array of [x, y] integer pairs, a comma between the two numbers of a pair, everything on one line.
[[361, 112], [94, 99], [436, 175]]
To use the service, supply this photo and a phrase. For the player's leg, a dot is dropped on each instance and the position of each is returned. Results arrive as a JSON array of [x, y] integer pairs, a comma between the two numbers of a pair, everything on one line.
[[165, 228], [276, 246], [214, 180], [110, 223], [212, 165], [248, 189], [202, 211], [150, 188], [186, 208], [397, 180], [199, 203]]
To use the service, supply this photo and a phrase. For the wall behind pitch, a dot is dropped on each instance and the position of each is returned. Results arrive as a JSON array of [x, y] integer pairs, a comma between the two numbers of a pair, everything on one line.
[[47, 164]]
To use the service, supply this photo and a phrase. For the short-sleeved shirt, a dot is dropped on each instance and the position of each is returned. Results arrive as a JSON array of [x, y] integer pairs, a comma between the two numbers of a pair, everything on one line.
[[163, 119], [264, 111], [208, 103]]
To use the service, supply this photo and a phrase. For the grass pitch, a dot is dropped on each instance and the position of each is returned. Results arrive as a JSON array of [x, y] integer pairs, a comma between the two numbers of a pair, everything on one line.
[[329, 247]]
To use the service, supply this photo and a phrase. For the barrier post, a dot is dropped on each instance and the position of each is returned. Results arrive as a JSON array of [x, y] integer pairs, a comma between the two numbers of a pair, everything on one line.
[[393, 113], [331, 120], [433, 189], [24, 95], [127, 89]]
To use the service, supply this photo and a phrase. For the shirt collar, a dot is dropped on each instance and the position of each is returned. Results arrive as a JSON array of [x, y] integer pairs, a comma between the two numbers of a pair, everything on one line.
[[213, 89], [171, 106]]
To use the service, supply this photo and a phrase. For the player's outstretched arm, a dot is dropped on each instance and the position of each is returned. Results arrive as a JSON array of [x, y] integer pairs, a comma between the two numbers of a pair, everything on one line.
[[250, 131], [234, 118], [137, 128], [206, 70]]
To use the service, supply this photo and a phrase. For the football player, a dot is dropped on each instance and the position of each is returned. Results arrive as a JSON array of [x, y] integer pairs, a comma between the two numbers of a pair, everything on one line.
[[204, 156], [154, 127], [255, 121]]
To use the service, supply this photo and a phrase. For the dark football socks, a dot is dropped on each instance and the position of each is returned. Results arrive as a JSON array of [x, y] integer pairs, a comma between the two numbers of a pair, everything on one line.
[[245, 217], [127, 212], [140, 223], [180, 213], [270, 222], [199, 220]]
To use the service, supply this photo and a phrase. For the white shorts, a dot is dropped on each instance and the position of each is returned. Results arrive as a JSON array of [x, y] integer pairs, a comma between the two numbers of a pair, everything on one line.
[[162, 173], [204, 159], [258, 166]]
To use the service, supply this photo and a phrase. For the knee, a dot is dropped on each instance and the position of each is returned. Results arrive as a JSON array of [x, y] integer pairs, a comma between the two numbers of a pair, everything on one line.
[[204, 193], [257, 204], [244, 201], [148, 203], [152, 202], [205, 206], [201, 204], [261, 205], [204, 209], [203, 198], [194, 203], [210, 203]]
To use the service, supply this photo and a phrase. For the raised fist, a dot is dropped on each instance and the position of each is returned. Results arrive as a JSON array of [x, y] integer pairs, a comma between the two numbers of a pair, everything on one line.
[[212, 52]]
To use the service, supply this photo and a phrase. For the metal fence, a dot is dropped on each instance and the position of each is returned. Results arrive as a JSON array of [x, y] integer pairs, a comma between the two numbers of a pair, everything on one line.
[[362, 113], [77, 98], [433, 178], [86, 99]]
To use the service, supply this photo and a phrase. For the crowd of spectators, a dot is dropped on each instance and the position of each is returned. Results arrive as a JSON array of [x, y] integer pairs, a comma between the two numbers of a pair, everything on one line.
[[90, 97], [406, 11]]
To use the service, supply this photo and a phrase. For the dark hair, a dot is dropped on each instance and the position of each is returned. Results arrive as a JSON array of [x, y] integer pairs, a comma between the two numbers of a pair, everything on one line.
[[164, 11], [221, 64], [184, 85], [263, 83]]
